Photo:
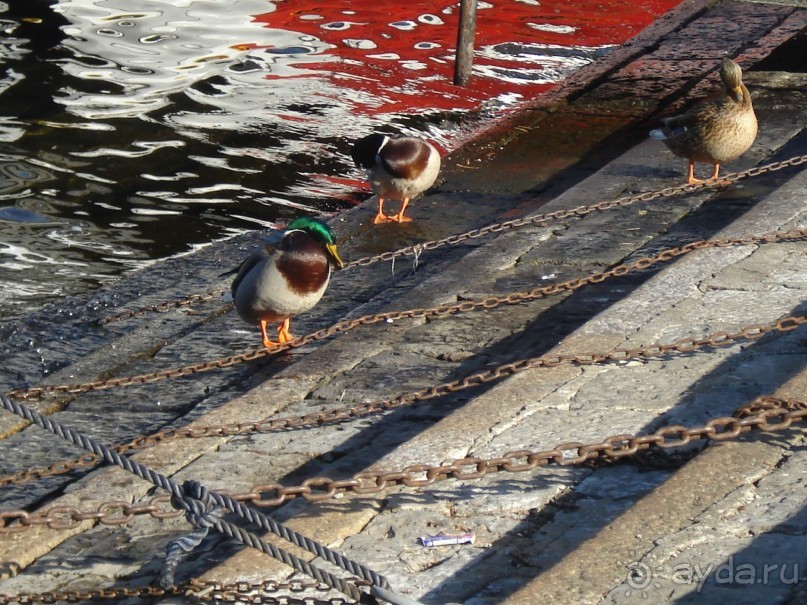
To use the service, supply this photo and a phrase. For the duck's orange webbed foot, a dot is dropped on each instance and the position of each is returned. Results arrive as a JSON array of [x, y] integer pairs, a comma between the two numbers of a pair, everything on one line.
[[400, 218], [691, 180], [283, 334], [267, 342], [714, 180], [381, 217]]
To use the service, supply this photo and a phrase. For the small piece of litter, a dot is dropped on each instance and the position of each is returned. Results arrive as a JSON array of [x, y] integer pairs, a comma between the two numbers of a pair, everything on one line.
[[443, 539]]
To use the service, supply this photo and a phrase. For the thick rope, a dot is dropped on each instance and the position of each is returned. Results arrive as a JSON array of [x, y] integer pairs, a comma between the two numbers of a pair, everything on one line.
[[200, 510], [181, 547]]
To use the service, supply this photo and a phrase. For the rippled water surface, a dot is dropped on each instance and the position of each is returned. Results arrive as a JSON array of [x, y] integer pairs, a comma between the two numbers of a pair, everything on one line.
[[136, 130]]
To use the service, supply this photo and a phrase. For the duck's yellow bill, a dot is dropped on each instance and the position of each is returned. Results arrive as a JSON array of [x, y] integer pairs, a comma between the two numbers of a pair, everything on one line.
[[331, 248]]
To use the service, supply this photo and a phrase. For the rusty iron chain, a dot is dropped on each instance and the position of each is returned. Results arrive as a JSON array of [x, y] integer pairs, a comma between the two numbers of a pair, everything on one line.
[[437, 312], [538, 220], [164, 306], [542, 220], [354, 412], [766, 413], [213, 591]]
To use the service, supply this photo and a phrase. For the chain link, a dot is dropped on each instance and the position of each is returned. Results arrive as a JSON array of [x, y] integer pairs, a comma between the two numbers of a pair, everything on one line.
[[265, 592], [684, 345], [439, 311], [126, 512], [764, 414], [165, 306], [538, 220], [769, 414]]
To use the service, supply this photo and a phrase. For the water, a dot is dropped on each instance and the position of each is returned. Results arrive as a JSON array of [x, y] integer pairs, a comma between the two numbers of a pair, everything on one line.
[[134, 131]]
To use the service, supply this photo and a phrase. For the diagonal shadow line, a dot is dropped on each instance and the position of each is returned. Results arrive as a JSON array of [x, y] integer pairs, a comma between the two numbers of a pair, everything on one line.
[[540, 336], [778, 567], [553, 324], [687, 406], [529, 527], [775, 559]]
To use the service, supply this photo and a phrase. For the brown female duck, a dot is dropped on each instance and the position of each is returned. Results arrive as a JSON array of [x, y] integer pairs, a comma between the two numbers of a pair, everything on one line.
[[714, 131]]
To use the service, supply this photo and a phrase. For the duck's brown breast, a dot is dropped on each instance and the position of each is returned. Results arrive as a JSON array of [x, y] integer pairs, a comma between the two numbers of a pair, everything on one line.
[[304, 264]]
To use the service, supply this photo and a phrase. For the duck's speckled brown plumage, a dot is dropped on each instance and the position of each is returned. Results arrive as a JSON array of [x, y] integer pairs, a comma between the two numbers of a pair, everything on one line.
[[714, 131]]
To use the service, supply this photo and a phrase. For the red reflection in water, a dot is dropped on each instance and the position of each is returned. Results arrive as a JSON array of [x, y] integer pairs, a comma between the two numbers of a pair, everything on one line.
[[399, 56]]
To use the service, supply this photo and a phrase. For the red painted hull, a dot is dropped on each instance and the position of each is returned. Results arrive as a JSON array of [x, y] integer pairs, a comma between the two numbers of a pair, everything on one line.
[[399, 57]]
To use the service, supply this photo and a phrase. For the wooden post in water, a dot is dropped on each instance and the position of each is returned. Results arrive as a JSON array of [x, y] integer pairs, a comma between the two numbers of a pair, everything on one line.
[[465, 42]]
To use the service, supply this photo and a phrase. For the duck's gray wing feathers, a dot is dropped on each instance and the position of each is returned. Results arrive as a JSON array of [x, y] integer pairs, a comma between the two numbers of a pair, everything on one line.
[[257, 257]]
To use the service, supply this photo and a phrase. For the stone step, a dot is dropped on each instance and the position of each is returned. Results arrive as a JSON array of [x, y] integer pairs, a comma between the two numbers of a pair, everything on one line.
[[525, 522]]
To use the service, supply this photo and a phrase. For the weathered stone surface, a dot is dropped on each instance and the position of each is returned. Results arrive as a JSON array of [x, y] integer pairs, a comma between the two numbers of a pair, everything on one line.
[[556, 534]]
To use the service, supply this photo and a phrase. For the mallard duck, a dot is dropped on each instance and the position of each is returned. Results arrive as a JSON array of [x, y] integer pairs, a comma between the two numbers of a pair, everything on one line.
[[714, 131], [274, 284], [397, 167]]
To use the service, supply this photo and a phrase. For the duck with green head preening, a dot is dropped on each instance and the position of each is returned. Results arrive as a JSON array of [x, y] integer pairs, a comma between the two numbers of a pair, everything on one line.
[[274, 284], [714, 131]]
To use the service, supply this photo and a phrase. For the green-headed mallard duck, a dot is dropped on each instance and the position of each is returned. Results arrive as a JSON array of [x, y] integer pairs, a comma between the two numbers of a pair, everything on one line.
[[397, 167], [275, 284], [714, 131]]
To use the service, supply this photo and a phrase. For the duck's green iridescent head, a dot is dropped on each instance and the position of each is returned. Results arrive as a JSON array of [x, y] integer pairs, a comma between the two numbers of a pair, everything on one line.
[[320, 232], [315, 228]]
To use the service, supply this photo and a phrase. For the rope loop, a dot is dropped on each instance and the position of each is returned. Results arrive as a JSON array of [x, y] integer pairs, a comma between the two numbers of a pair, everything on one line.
[[201, 510]]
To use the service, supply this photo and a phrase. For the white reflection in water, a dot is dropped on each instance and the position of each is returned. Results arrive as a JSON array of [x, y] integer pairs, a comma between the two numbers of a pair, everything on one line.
[[562, 58], [10, 130], [155, 212], [555, 29], [166, 48], [179, 199], [220, 163], [242, 118], [169, 177], [280, 201], [22, 258], [77, 237], [94, 177], [97, 126], [162, 49], [147, 148]]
